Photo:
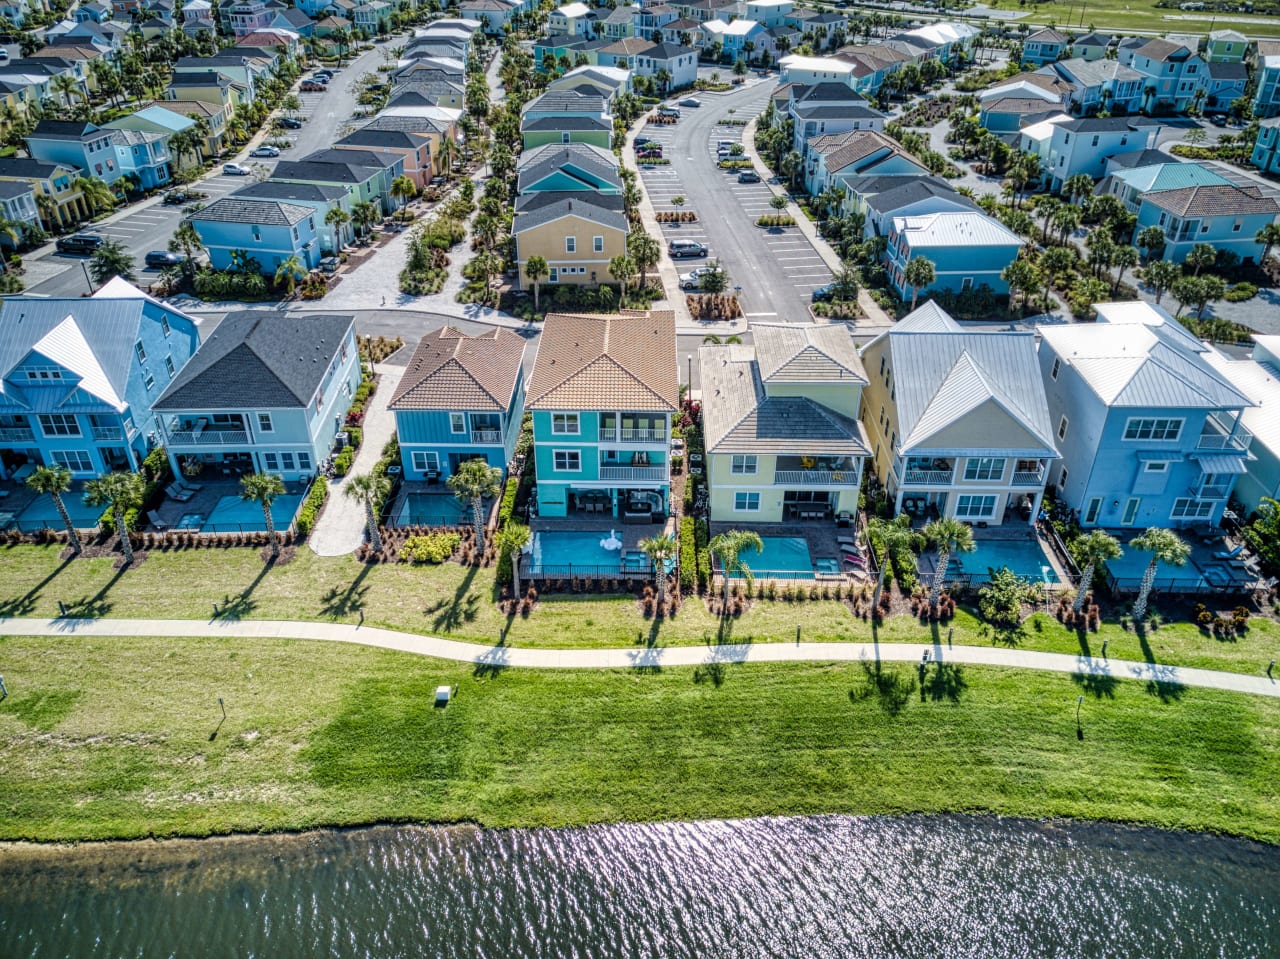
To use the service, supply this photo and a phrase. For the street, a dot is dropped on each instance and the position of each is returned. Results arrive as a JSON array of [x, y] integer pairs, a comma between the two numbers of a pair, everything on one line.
[[776, 269]]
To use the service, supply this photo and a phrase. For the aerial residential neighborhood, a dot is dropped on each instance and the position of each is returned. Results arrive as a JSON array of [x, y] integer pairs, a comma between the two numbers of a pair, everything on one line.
[[496, 415]]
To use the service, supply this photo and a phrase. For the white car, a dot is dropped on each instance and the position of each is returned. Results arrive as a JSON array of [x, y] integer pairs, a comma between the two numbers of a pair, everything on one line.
[[693, 279], [236, 169]]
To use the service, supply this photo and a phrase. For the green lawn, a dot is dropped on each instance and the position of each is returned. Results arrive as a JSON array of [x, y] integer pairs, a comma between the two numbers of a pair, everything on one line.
[[458, 603], [111, 739], [1134, 15]]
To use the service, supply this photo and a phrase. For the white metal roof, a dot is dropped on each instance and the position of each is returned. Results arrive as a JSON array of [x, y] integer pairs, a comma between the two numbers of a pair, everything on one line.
[[1044, 129], [1259, 380], [571, 10], [955, 229], [818, 64]]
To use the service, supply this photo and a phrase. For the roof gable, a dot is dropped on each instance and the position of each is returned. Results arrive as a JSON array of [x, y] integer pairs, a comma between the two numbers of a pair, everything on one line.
[[452, 371]]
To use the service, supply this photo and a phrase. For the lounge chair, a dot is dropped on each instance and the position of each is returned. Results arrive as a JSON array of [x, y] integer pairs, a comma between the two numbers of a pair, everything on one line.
[[176, 492], [1230, 553], [154, 518], [187, 484], [848, 542]]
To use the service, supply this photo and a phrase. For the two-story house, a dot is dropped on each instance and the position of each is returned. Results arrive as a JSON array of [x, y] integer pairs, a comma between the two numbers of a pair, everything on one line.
[[79, 378], [577, 233], [1266, 101], [367, 175], [566, 117], [18, 205], [878, 199], [1227, 46], [828, 109], [1150, 433], [1223, 214], [957, 420], [967, 250], [269, 231], [1173, 77], [53, 180], [413, 148], [1266, 149], [602, 393], [83, 146], [674, 65], [780, 421], [320, 198], [1092, 46], [1070, 145], [1098, 85], [834, 157], [569, 167], [1044, 46], [460, 398], [265, 393], [570, 20], [1257, 377]]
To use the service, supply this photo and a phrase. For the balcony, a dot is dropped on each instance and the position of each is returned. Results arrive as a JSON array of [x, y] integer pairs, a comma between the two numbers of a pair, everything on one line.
[[1218, 434], [657, 437], [16, 434], [1210, 492], [104, 433], [815, 477], [207, 437], [634, 474], [1029, 478], [486, 436], [928, 477]]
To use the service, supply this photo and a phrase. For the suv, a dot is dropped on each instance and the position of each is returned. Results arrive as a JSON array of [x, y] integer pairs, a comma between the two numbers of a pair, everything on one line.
[[81, 244], [669, 112], [312, 86], [678, 249]]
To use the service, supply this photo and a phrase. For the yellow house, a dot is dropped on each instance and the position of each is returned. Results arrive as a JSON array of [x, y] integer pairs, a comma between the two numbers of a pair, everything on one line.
[[213, 114], [209, 87], [53, 180], [572, 233]]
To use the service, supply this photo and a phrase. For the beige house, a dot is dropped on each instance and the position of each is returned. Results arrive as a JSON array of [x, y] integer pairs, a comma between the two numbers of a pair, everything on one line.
[[575, 236]]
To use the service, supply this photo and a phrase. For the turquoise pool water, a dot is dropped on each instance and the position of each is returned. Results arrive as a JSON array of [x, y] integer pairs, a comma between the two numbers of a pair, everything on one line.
[[559, 553], [784, 557], [1132, 566], [234, 515], [1025, 559], [431, 509], [42, 514]]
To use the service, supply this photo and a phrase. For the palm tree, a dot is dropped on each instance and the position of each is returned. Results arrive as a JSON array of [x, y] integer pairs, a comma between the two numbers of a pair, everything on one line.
[[622, 269], [948, 535], [1023, 277], [364, 214], [264, 488], [535, 268], [1066, 219], [511, 541], [448, 155], [1201, 255], [95, 192], [919, 272], [67, 87], [121, 492], [337, 218], [289, 272], [56, 480], [659, 549], [1122, 259], [111, 259], [1165, 546], [370, 490], [1078, 187], [472, 482], [1268, 236], [1152, 240], [645, 252], [728, 547], [403, 189], [1090, 550], [1161, 275], [890, 538], [186, 240]]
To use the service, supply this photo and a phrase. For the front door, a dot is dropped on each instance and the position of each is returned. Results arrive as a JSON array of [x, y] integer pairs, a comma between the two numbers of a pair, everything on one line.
[[1130, 511]]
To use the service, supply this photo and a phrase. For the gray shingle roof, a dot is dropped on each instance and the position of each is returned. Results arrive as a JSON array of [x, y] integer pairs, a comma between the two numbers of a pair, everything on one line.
[[529, 202], [263, 212], [281, 190], [553, 124], [562, 101], [259, 361], [402, 139], [27, 168], [322, 172], [575, 204], [538, 164]]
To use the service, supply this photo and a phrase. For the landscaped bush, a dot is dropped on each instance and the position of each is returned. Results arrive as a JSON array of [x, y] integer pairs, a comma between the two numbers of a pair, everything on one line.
[[431, 547], [311, 507], [713, 306], [222, 285], [506, 509], [701, 534], [688, 556], [840, 310], [342, 462], [675, 216], [776, 219], [1241, 292]]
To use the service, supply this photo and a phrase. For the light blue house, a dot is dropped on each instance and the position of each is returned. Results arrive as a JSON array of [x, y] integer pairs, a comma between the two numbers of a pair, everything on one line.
[[83, 146], [967, 249], [79, 378], [461, 398], [1150, 433], [1044, 46], [1266, 149], [268, 230], [1224, 215], [266, 392], [1258, 378], [602, 394], [1266, 102]]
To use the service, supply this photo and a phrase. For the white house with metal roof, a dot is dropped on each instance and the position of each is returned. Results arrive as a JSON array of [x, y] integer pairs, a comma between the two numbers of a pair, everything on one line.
[[1150, 432], [967, 249], [1257, 377], [957, 420], [780, 421]]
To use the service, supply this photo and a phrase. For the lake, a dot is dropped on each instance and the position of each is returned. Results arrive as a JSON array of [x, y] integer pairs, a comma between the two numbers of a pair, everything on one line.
[[829, 886]]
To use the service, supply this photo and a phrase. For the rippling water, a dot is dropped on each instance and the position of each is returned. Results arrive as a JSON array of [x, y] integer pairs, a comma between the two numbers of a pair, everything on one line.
[[824, 886]]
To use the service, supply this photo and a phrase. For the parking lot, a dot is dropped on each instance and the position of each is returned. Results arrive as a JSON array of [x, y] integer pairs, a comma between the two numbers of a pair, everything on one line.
[[775, 269]]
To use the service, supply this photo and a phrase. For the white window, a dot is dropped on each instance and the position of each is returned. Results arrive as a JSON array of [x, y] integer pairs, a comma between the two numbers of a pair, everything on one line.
[[77, 461], [426, 461], [1156, 466], [264, 423], [1057, 363], [1062, 479], [567, 461], [1155, 430], [271, 461], [553, 276], [1062, 428], [746, 502], [59, 424], [564, 424], [1092, 510], [304, 462], [743, 464], [1188, 508], [597, 244], [148, 381], [168, 366], [571, 244], [975, 507], [457, 422], [286, 461], [983, 468], [164, 324]]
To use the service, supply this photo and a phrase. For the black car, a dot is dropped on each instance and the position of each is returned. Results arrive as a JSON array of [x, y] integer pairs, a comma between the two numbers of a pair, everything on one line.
[[80, 244], [748, 176], [290, 123], [158, 259]]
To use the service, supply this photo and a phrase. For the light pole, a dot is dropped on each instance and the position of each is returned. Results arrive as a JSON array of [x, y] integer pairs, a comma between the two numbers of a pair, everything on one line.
[[84, 267]]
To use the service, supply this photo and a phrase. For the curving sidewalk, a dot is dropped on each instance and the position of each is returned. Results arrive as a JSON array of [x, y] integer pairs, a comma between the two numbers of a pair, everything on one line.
[[496, 657]]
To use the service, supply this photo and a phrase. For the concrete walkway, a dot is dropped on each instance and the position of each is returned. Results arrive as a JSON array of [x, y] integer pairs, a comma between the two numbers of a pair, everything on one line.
[[656, 658], [340, 529]]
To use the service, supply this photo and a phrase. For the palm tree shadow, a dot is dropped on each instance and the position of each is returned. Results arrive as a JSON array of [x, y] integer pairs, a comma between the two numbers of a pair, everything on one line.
[[340, 602], [450, 614], [25, 604], [945, 682], [96, 606], [892, 688], [242, 605], [1098, 685], [493, 663], [1163, 685]]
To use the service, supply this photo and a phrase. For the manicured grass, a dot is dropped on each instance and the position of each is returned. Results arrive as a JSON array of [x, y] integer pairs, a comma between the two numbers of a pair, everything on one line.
[[1144, 15], [111, 739], [457, 602]]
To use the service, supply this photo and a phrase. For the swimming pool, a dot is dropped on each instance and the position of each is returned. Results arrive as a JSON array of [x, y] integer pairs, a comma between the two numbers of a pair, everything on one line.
[[1024, 558], [431, 509], [234, 515], [1129, 569], [561, 553], [784, 557], [42, 514]]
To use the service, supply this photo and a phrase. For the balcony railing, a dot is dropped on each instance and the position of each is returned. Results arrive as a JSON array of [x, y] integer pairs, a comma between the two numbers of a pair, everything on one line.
[[108, 433], [1219, 436], [929, 477], [633, 436], [1034, 478], [1210, 492], [16, 434], [486, 436], [208, 438], [643, 474], [815, 477]]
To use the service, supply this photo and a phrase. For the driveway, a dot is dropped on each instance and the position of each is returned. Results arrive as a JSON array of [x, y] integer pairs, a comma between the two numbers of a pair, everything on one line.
[[775, 269], [148, 225]]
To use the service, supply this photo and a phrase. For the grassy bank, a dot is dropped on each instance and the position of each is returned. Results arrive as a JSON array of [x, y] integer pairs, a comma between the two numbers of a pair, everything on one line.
[[456, 602], [104, 739], [1144, 15]]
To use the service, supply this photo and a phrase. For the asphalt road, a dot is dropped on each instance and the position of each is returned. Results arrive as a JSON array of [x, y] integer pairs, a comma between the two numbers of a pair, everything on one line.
[[776, 269], [149, 225]]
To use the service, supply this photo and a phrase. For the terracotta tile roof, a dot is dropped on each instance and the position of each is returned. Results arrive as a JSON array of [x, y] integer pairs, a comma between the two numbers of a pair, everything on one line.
[[452, 371], [1223, 199], [614, 361]]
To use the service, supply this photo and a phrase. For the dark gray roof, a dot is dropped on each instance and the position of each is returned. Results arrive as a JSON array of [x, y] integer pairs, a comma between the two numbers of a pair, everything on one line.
[[262, 212], [384, 138], [836, 111], [1139, 158], [1094, 40], [668, 51], [323, 172], [259, 361], [65, 130], [560, 101], [827, 91], [1106, 124], [923, 188], [531, 202], [1228, 71], [575, 204], [542, 162], [295, 192], [363, 158], [207, 78], [566, 123], [10, 189], [295, 17], [26, 167]]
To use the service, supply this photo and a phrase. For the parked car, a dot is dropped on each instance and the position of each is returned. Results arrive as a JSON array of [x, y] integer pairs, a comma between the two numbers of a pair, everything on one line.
[[236, 169], [180, 197], [1218, 120], [649, 153], [691, 102], [311, 86], [326, 74], [824, 293], [678, 249], [694, 278], [748, 176], [290, 123], [643, 141], [79, 244], [265, 150], [669, 112], [158, 259]]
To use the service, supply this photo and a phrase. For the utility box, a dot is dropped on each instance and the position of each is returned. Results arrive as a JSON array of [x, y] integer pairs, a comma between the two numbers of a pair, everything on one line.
[[443, 695]]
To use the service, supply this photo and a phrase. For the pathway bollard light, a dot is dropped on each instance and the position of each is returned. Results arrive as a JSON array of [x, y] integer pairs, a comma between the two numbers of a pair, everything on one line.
[[361, 612], [1104, 648], [62, 609], [1270, 666]]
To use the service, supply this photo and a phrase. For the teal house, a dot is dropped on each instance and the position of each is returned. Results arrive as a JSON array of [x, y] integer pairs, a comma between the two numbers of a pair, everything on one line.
[[460, 398], [269, 231], [968, 249], [602, 394]]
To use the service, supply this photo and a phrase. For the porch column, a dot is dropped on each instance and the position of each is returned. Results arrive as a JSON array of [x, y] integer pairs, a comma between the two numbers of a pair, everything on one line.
[[897, 502], [1035, 507]]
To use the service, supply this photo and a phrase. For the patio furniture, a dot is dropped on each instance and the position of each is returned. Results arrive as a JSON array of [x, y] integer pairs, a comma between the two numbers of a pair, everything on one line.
[[176, 492], [188, 485], [199, 427], [154, 519], [23, 471], [1231, 553], [848, 543]]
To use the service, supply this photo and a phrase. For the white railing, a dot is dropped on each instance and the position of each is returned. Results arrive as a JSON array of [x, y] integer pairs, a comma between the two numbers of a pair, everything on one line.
[[1035, 478], [646, 474], [208, 438], [1210, 492], [815, 477], [17, 434], [1218, 435], [108, 433], [929, 477], [633, 436], [486, 436]]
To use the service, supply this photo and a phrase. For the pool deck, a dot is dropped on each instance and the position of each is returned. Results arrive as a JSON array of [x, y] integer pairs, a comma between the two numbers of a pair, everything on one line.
[[629, 533], [819, 534], [1018, 533], [172, 511]]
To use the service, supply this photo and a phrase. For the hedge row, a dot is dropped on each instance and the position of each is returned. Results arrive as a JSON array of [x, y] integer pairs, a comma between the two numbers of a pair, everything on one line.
[[310, 511], [701, 536], [506, 508], [688, 557]]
